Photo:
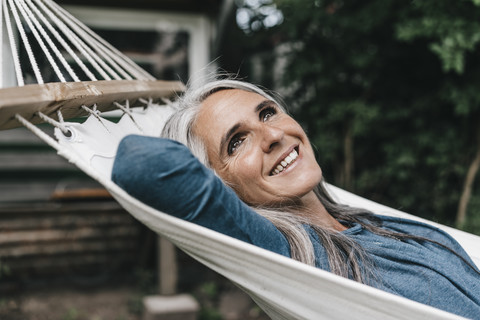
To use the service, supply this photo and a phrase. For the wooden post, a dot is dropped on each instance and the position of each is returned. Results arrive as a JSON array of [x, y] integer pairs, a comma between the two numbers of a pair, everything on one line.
[[168, 305], [167, 267]]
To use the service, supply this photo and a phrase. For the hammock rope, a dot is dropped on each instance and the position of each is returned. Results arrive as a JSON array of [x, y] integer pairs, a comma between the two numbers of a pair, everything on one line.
[[26, 42], [95, 113], [13, 46], [104, 46], [65, 42], [36, 28], [53, 122], [146, 102], [38, 132], [81, 39], [49, 40], [61, 40], [126, 110]]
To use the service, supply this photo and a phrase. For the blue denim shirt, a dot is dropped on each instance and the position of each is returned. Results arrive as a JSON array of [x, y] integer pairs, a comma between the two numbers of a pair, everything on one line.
[[166, 176]]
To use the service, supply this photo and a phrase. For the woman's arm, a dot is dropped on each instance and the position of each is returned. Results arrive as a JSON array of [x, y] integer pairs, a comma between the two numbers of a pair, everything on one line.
[[165, 175]]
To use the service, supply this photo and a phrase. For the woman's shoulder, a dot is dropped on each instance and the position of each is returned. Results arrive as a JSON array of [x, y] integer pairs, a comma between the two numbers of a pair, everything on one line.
[[417, 228], [404, 223]]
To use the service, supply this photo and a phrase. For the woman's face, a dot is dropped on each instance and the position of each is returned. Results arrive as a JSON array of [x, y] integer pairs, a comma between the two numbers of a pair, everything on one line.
[[260, 151]]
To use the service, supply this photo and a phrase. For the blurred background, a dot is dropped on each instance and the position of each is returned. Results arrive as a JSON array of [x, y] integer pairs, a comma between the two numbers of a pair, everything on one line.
[[386, 90]]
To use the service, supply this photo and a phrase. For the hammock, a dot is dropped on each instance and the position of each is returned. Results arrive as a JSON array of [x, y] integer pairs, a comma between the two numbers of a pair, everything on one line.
[[282, 287]]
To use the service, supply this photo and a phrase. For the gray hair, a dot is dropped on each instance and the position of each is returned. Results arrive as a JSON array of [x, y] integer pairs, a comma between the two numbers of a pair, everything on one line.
[[344, 255]]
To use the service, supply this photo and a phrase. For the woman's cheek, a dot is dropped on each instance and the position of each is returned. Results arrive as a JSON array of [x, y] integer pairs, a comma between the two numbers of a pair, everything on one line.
[[251, 166]]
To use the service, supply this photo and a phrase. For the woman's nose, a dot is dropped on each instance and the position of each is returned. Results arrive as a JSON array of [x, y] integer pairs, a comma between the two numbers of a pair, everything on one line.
[[271, 137]]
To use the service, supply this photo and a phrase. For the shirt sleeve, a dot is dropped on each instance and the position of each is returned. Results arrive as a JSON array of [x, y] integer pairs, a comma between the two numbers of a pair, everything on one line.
[[165, 175]]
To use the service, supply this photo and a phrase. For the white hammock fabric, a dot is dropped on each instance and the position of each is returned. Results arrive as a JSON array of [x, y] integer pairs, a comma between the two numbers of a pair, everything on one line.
[[284, 288]]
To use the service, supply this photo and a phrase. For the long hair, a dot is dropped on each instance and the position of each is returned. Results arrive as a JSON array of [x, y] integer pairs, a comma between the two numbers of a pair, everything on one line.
[[345, 257]]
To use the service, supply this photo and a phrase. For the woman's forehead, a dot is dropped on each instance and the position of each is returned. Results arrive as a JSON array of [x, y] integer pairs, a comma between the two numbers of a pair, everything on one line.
[[224, 109], [229, 104], [230, 98]]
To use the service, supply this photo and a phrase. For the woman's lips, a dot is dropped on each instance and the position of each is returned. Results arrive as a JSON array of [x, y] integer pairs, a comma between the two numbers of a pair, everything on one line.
[[287, 159]]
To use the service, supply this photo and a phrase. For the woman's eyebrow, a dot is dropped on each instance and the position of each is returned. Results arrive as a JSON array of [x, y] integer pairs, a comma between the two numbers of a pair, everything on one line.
[[262, 104]]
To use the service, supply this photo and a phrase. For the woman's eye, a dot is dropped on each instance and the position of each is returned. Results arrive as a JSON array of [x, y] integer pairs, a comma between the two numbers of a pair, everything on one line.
[[234, 144], [266, 113]]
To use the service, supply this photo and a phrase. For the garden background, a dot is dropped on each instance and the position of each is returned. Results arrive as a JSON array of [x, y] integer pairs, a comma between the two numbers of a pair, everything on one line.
[[388, 92]]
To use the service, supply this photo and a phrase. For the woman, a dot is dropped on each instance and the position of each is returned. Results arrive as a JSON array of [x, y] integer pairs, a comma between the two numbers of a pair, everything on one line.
[[276, 198]]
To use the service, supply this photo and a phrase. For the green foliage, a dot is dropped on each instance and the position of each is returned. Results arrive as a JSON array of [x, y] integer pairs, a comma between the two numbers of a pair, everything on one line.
[[146, 284], [451, 30], [209, 313], [400, 77], [71, 314], [145, 281], [208, 295], [209, 289]]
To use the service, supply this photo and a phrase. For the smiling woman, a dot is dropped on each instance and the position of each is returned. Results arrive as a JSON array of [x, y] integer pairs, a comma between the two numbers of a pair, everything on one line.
[[249, 141], [248, 171]]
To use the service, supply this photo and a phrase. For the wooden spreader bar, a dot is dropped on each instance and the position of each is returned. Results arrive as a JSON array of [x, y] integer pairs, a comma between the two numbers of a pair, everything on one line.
[[70, 96]]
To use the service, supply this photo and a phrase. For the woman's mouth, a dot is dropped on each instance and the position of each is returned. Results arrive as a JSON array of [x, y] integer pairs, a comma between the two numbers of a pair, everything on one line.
[[285, 163]]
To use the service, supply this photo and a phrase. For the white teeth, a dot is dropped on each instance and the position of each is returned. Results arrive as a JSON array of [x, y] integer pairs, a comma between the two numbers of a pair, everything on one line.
[[285, 162]]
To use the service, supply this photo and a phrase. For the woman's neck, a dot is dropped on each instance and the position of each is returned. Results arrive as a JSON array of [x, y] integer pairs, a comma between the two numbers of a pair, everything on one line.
[[316, 211]]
